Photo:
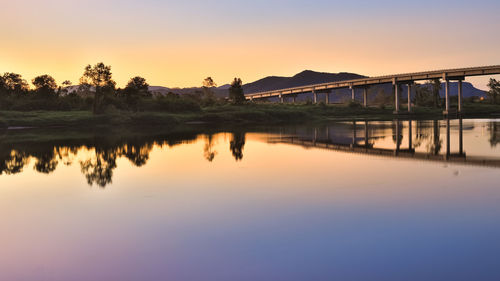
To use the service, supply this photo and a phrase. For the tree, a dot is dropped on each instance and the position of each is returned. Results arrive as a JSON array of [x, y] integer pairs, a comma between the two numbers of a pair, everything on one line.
[[45, 85], [13, 83], [208, 93], [423, 96], [99, 76], [236, 94], [136, 89], [436, 87], [494, 91]]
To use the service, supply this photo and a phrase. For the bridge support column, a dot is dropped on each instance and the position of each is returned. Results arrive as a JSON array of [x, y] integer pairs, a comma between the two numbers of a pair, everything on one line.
[[327, 97], [409, 97], [294, 99], [460, 97], [396, 98], [353, 94], [365, 97], [410, 135], [281, 98], [447, 96], [315, 97]]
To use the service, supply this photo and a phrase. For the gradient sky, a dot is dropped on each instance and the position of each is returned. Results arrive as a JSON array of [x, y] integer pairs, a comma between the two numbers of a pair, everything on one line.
[[179, 43]]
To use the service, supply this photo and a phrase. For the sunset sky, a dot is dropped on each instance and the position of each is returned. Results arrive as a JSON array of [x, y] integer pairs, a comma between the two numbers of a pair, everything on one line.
[[178, 43]]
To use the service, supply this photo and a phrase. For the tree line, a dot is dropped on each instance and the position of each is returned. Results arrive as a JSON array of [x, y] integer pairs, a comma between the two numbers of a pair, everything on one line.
[[97, 91]]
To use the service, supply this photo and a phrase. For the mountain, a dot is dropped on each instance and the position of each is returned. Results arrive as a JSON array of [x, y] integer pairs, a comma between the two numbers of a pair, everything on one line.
[[309, 77], [303, 78]]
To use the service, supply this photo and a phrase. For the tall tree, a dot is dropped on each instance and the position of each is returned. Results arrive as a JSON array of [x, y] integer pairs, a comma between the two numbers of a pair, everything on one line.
[[100, 77], [45, 85], [436, 87], [494, 91], [236, 94], [208, 93]]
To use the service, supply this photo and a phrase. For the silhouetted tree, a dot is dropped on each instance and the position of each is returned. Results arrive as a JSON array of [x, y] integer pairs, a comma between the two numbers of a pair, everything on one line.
[[494, 91], [236, 145], [45, 86], [136, 89], [100, 77], [13, 84], [208, 93], [436, 87], [236, 94], [423, 96]]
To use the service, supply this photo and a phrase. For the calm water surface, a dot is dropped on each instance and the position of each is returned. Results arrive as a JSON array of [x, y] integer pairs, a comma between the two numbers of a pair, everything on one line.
[[393, 200]]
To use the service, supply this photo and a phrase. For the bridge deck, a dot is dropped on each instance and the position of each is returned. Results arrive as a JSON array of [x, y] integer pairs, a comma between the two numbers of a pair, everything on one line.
[[451, 74]]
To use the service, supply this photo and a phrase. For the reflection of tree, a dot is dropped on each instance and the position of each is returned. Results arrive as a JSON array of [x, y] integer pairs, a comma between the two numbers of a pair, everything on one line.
[[422, 133], [13, 162], [208, 151], [99, 168], [137, 154], [46, 163], [436, 145], [494, 134], [397, 136], [236, 145]]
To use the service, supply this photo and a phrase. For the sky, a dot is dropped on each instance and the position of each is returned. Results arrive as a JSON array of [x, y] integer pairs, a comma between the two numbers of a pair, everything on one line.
[[179, 43]]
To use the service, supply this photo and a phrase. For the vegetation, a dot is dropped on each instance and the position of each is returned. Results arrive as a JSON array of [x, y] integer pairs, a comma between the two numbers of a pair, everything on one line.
[[97, 102], [236, 94], [494, 91]]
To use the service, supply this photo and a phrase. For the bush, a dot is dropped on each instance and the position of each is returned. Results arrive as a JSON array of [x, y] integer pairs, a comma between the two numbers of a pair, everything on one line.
[[354, 104]]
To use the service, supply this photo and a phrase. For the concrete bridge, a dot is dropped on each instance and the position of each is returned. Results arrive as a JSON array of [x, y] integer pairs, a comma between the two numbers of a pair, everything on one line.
[[398, 79]]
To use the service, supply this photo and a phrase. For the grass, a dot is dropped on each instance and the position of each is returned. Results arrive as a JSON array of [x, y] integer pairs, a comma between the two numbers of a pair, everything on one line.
[[226, 114]]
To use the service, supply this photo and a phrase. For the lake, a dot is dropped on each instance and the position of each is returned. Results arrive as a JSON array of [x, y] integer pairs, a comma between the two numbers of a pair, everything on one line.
[[375, 200]]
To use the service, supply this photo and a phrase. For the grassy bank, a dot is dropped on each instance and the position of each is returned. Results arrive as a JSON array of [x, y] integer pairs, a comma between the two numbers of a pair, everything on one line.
[[227, 114]]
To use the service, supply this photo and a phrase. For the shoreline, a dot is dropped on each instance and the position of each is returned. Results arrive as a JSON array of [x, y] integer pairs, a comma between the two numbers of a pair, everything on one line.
[[249, 114]]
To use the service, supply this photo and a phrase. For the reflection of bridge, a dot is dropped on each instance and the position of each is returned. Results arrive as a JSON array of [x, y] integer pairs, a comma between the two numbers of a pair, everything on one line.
[[363, 146], [398, 79]]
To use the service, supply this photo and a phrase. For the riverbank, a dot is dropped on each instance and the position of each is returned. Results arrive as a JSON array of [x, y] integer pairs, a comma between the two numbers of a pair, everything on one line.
[[262, 114]]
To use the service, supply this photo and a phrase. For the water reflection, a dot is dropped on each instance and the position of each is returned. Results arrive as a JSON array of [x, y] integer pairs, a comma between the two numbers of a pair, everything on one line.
[[425, 140], [418, 139]]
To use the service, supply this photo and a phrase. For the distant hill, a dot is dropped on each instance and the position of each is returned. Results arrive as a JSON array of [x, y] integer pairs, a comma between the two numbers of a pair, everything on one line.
[[303, 78]]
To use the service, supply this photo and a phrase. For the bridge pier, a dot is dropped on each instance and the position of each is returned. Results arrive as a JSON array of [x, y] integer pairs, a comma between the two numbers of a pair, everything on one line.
[[396, 98], [365, 97], [409, 97], [410, 135], [281, 98], [327, 97], [294, 99], [353, 93], [315, 97], [460, 98], [447, 95]]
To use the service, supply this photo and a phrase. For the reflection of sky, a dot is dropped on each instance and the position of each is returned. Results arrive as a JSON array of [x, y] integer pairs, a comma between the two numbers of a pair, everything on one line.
[[179, 43], [282, 213]]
